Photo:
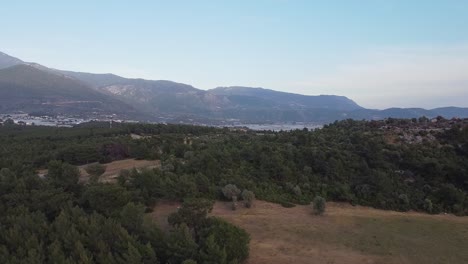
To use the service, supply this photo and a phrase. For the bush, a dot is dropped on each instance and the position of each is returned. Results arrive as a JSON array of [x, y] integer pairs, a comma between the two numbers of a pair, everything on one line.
[[95, 171], [248, 198], [230, 190], [318, 205], [404, 203], [297, 190], [234, 239], [428, 206]]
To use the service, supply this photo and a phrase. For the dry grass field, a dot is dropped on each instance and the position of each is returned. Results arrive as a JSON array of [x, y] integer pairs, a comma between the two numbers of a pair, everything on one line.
[[113, 168], [345, 234]]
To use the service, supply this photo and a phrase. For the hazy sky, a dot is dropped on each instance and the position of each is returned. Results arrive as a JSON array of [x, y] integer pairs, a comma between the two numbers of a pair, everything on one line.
[[380, 53]]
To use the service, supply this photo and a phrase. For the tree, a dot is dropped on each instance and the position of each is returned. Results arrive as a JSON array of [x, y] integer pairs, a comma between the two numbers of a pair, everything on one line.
[[107, 199], [9, 122], [248, 197], [132, 255], [131, 217], [428, 205], [95, 171], [404, 203], [56, 253], [7, 180], [63, 175], [212, 253], [181, 245], [297, 190], [230, 190], [193, 213], [234, 240], [318, 205], [81, 254]]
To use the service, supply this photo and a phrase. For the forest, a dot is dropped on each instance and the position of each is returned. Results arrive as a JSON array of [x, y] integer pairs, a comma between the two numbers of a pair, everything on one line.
[[57, 218]]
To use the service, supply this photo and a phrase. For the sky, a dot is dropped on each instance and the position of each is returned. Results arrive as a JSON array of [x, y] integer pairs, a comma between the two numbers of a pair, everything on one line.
[[379, 53]]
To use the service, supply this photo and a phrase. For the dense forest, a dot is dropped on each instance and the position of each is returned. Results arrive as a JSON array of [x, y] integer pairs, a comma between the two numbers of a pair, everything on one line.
[[58, 219]]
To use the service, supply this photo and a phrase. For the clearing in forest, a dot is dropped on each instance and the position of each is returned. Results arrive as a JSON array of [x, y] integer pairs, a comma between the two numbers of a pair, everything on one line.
[[113, 168], [344, 234]]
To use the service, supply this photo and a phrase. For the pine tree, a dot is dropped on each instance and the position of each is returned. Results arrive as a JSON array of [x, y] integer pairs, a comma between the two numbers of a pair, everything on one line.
[[131, 217], [132, 255], [181, 245], [81, 254], [318, 205], [148, 255], [212, 253], [55, 253]]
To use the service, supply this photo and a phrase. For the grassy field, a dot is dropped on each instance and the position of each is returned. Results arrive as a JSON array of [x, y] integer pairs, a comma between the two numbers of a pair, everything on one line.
[[113, 168], [345, 234]]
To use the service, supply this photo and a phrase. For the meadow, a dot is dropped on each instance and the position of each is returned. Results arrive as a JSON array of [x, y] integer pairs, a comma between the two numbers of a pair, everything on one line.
[[344, 234]]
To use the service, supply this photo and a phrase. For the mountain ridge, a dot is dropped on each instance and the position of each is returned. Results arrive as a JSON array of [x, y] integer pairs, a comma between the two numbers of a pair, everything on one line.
[[8, 61], [164, 100], [25, 87]]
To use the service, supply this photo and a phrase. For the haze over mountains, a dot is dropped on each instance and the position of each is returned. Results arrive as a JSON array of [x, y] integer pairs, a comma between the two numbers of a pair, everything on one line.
[[31, 87]]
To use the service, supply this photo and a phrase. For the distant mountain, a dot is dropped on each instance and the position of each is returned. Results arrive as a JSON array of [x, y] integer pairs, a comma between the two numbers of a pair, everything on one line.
[[451, 111], [8, 61], [447, 112], [32, 87], [290, 100], [156, 97], [27, 88], [95, 80], [390, 112]]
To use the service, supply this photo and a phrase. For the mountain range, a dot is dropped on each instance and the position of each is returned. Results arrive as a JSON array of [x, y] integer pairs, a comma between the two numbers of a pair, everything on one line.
[[31, 87]]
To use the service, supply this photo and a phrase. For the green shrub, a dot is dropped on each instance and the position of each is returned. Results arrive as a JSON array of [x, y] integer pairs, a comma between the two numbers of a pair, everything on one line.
[[318, 205]]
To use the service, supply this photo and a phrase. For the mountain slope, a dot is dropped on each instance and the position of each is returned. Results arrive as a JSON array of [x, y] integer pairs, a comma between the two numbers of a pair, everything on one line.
[[94, 79], [151, 96], [158, 96], [8, 61], [451, 111], [31, 87], [291, 100], [27, 88], [248, 104]]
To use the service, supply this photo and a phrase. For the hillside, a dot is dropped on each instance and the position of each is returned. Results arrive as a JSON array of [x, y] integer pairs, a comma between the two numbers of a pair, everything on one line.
[[30, 89], [359, 164], [352, 164], [161, 99], [446, 112], [290, 100], [172, 99], [8, 61]]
